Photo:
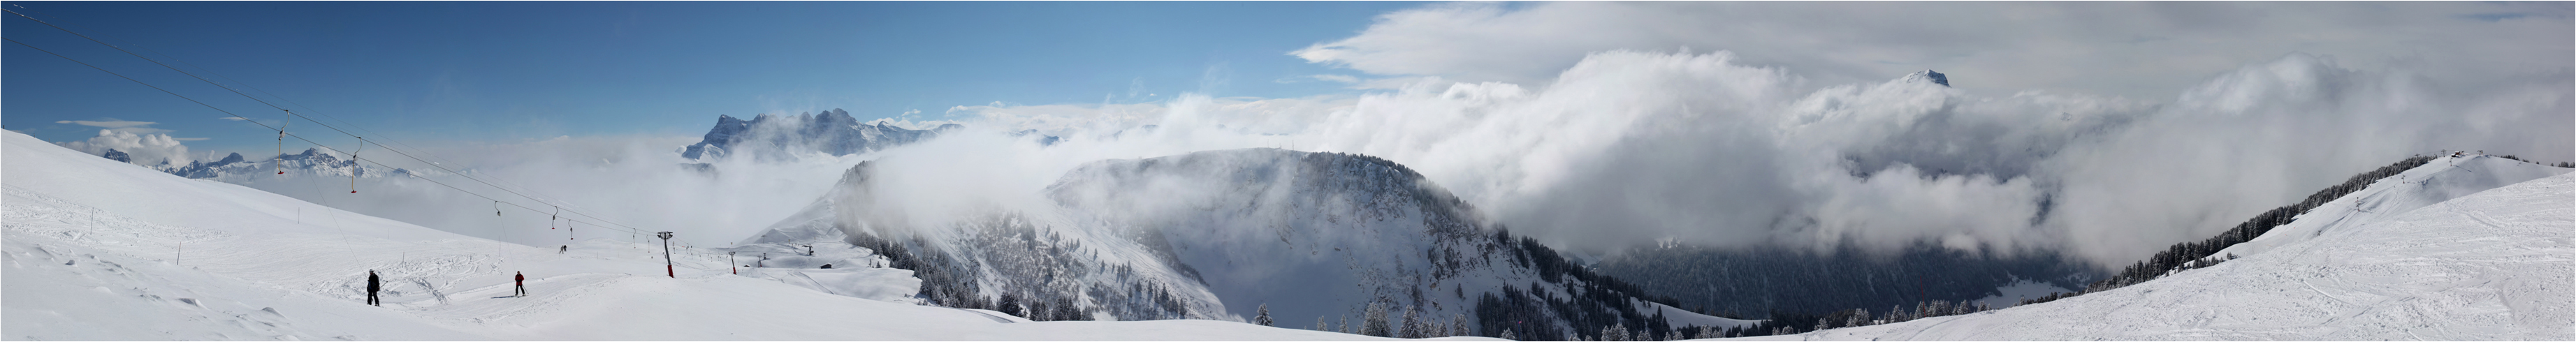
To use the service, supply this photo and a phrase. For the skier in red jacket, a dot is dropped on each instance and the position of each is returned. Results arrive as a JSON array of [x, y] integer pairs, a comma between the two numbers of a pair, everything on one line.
[[522, 280]]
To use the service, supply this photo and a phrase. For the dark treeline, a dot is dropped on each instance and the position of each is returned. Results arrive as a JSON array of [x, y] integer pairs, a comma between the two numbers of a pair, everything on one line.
[[1751, 283], [1033, 270], [1592, 306]]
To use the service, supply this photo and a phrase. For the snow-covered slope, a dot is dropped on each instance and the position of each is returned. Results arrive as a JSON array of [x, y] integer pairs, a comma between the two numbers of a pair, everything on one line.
[[1224, 234], [97, 249], [2498, 264], [2440, 180]]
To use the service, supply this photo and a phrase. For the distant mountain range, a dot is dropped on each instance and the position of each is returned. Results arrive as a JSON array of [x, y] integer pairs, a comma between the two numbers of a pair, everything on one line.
[[311, 162], [772, 137]]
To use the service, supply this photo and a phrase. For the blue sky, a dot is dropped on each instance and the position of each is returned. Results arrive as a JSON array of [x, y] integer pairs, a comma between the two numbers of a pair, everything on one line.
[[425, 71]]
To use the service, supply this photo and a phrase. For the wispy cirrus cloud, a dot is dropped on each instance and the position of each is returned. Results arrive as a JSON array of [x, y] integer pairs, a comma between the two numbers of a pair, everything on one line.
[[127, 126]]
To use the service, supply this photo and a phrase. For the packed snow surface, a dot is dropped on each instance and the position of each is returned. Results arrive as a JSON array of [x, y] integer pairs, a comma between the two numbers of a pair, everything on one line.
[[2498, 264], [101, 250]]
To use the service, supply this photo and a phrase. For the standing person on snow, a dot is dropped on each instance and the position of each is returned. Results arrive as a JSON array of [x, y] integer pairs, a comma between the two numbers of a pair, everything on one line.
[[522, 280], [371, 288]]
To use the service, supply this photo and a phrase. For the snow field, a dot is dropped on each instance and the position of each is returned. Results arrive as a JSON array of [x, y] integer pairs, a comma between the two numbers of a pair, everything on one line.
[[2494, 265], [102, 250]]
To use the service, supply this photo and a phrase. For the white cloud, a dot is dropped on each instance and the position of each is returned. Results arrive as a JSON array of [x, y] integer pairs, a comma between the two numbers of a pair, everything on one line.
[[146, 149], [135, 127], [1335, 78], [1626, 148], [2135, 50]]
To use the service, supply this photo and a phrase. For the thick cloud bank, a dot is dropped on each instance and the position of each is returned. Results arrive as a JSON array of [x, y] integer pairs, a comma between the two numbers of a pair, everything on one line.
[[1629, 148], [636, 181], [2146, 50], [1621, 149]]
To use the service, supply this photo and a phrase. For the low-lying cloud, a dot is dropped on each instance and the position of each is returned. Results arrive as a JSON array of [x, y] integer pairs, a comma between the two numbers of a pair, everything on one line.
[[1627, 148], [2140, 50], [1568, 123], [1622, 149]]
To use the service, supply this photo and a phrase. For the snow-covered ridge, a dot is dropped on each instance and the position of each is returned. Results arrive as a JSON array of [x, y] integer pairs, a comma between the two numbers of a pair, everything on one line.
[[2440, 180], [2441, 254], [1224, 234]]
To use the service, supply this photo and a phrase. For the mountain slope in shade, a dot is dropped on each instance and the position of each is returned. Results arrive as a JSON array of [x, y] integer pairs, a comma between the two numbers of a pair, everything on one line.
[[1222, 234]]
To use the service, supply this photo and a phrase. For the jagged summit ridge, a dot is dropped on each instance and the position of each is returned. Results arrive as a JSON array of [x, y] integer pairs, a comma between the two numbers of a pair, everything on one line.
[[831, 132], [1935, 77], [236, 168]]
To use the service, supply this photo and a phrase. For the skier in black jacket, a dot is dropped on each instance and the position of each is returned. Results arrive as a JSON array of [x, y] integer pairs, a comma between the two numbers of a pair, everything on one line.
[[371, 288]]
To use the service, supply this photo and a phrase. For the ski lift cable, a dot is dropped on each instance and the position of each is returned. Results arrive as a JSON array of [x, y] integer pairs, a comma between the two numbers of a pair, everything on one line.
[[272, 105], [307, 109]]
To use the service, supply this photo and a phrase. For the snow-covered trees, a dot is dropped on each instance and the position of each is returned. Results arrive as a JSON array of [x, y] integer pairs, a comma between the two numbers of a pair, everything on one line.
[[1412, 326], [1507, 334], [1458, 325], [1373, 322], [1264, 318]]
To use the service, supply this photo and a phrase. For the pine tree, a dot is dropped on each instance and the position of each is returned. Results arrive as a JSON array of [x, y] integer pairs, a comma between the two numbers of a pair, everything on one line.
[[1346, 323], [1507, 334], [1614, 332], [1373, 322], [1458, 325], [1319, 324], [1264, 318], [1411, 326], [1011, 305]]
